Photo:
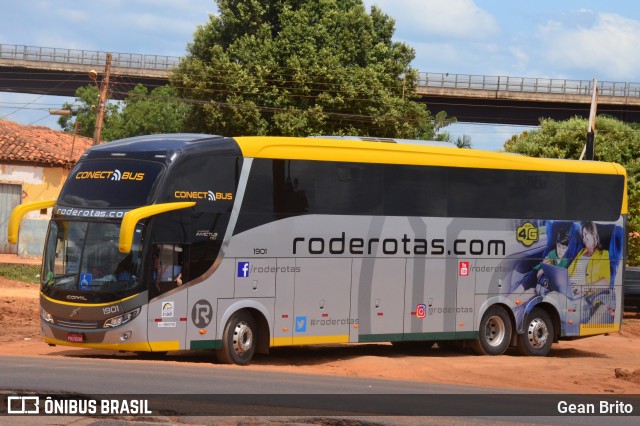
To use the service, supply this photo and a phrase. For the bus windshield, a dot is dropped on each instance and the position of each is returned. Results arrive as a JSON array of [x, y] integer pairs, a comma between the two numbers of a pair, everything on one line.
[[84, 257]]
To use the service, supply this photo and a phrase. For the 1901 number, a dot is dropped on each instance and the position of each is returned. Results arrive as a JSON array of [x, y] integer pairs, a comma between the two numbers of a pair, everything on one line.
[[259, 251], [111, 310]]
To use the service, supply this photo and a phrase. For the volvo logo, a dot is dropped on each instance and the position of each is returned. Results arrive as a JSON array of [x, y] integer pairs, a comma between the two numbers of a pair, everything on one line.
[[75, 312]]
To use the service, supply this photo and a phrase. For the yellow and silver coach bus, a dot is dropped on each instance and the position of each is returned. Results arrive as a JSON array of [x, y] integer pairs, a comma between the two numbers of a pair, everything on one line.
[[182, 241]]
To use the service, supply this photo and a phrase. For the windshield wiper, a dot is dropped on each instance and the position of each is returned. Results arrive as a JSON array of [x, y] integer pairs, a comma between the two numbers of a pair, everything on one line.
[[58, 278], [55, 277]]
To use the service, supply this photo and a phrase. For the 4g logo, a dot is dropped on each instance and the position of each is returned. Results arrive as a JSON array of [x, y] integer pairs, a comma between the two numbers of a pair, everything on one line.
[[527, 234]]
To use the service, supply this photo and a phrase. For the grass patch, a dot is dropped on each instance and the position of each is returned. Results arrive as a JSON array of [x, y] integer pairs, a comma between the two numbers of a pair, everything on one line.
[[17, 272]]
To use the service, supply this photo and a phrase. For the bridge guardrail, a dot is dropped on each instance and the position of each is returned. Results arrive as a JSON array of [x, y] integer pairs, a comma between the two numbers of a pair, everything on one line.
[[425, 79], [526, 84], [86, 57]]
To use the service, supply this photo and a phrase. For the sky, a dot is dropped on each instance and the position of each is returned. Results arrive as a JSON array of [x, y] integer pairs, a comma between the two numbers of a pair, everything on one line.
[[567, 39]]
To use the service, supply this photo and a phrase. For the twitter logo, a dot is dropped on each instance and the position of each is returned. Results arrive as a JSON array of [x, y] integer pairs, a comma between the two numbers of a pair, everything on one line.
[[301, 324]]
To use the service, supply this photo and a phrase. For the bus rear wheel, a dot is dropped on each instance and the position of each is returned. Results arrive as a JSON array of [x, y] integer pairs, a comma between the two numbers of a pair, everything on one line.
[[538, 334], [238, 340], [494, 333]]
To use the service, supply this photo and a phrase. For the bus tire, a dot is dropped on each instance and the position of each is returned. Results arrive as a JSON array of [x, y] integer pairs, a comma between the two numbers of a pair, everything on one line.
[[538, 334], [494, 333], [238, 340]]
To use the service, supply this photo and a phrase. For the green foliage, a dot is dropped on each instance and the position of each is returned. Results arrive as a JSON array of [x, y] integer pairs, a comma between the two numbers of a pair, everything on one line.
[[615, 141], [144, 113], [19, 272], [299, 68], [85, 108], [464, 141], [141, 113]]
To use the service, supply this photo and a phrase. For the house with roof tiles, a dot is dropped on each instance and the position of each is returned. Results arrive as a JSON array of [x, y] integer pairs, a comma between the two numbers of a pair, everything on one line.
[[34, 163]]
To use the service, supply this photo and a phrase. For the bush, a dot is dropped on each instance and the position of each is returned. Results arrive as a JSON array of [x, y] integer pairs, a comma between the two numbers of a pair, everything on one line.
[[18, 272]]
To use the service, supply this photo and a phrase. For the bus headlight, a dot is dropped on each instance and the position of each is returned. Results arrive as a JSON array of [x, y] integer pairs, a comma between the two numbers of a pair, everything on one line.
[[121, 319], [46, 315]]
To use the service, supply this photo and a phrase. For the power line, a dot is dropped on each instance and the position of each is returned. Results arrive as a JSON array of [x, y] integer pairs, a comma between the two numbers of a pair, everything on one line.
[[196, 101], [44, 94], [40, 119], [330, 114], [23, 106], [282, 90]]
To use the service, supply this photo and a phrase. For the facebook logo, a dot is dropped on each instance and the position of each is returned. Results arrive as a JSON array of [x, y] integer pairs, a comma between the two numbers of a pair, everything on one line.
[[301, 324], [243, 269]]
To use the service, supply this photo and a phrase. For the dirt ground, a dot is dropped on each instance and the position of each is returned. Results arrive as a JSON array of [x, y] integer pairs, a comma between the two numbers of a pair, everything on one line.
[[606, 364]]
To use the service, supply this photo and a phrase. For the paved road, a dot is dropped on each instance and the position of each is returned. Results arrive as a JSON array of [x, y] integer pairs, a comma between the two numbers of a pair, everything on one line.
[[176, 390]]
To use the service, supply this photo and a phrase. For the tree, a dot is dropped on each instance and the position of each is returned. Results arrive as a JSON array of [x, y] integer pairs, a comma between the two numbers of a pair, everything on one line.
[[144, 113], [299, 68], [141, 113], [464, 141], [614, 141], [84, 112]]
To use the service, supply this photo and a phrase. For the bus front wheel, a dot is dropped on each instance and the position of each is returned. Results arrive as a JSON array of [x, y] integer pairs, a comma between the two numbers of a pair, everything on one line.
[[238, 340], [538, 334], [495, 332]]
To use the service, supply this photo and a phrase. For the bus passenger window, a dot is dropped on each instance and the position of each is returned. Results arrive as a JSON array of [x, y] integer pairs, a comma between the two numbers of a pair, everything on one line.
[[167, 272]]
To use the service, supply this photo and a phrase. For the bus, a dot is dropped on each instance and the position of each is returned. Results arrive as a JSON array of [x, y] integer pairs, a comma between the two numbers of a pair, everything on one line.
[[239, 244]]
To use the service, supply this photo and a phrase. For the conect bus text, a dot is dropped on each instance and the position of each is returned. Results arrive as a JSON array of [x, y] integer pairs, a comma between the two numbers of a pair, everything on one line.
[[392, 246]]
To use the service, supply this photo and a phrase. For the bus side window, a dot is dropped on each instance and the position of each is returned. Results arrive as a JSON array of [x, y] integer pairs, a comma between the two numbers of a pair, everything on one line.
[[168, 261]]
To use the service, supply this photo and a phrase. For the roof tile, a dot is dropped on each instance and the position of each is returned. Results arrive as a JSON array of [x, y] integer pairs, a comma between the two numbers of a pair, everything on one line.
[[41, 145]]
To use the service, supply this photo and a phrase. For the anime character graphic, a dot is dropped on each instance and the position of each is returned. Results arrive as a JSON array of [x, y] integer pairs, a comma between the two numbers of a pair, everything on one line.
[[556, 258], [591, 276], [577, 273], [591, 265]]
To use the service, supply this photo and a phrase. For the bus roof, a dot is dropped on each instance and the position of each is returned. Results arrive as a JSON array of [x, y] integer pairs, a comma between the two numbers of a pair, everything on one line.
[[359, 151], [343, 149], [164, 146], [356, 150]]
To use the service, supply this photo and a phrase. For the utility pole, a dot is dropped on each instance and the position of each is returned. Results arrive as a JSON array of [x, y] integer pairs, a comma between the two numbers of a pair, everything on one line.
[[102, 100], [588, 147], [68, 112]]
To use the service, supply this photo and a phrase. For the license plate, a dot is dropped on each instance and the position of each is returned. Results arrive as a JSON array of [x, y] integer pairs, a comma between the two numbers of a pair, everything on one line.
[[75, 337]]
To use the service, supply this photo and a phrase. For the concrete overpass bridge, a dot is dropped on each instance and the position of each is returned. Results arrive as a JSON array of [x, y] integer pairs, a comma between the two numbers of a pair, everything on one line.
[[469, 98]]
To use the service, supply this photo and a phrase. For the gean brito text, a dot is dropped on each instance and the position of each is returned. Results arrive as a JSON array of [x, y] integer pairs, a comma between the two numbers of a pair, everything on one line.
[[392, 246]]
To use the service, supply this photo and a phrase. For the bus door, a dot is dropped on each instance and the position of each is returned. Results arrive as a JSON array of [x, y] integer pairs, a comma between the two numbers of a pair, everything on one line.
[[429, 301], [167, 314], [285, 289], [321, 301], [460, 271], [376, 299]]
